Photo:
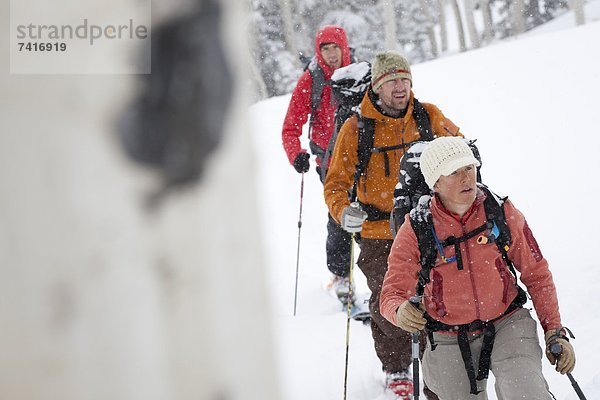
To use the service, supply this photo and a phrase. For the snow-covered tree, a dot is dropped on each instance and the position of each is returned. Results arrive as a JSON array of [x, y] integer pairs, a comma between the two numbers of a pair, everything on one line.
[[288, 23], [518, 18], [276, 63], [488, 22], [441, 14], [469, 7], [530, 13], [414, 26], [389, 23], [430, 12], [577, 7], [459, 25], [281, 28]]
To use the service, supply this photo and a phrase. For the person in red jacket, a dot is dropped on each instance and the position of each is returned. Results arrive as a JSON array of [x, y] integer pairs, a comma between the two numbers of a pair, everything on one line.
[[312, 96], [472, 303]]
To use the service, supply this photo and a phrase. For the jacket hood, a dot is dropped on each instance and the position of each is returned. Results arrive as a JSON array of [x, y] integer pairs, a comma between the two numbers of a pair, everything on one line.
[[332, 34]]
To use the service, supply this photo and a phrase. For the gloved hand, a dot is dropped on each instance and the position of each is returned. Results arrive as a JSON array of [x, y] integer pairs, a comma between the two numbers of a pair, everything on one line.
[[301, 163], [409, 317], [352, 218], [566, 358]]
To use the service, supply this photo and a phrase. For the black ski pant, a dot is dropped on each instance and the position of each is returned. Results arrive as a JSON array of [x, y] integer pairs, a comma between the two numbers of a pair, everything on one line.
[[337, 247], [392, 344]]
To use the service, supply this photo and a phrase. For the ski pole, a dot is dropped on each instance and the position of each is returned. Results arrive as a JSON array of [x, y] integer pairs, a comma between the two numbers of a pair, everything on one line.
[[556, 349], [298, 250], [349, 309], [415, 300]]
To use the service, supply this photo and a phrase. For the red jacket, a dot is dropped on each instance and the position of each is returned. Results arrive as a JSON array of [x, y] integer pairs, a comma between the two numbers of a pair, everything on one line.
[[485, 287], [300, 104]]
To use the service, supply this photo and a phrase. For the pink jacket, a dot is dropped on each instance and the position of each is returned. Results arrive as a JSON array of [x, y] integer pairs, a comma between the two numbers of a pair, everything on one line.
[[485, 287]]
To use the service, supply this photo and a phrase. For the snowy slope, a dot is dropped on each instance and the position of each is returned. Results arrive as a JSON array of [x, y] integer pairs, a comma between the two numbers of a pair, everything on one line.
[[532, 104]]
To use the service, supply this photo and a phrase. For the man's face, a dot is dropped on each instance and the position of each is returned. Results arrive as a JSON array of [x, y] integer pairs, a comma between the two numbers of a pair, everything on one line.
[[394, 95], [332, 54]]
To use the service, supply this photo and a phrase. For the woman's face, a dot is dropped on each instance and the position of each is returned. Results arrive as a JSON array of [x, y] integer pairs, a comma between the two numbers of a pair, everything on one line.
[[458, 190]]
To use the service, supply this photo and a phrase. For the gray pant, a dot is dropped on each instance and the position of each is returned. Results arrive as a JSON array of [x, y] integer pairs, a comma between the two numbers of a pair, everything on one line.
[[516, 363]]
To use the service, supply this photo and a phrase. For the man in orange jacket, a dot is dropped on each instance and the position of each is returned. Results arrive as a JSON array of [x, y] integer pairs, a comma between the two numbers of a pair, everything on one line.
[[390, 105], [313, 96], [472, 301]]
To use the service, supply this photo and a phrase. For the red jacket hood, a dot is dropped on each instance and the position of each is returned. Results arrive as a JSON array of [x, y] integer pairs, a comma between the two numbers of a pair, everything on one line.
[[332, 34]]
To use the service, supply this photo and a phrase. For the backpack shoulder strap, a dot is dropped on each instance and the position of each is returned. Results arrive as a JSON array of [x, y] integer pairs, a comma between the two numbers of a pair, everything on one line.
[[494, 211], [421, 117], [422, 224], [366, 138], [318, 83]]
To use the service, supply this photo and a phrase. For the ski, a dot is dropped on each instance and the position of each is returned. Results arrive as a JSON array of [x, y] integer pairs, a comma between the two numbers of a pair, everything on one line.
[[360, 315], [360, 312]]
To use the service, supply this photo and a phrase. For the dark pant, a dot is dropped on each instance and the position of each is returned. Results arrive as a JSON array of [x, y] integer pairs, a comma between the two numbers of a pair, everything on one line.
[[392, 344], [337, 247]]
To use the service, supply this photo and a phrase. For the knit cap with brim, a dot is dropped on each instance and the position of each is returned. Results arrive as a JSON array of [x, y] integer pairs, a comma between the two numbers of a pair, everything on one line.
[[389, 66], [443, 156]]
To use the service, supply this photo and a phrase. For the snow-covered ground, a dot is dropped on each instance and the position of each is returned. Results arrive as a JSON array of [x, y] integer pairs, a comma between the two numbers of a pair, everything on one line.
[[532, 104]]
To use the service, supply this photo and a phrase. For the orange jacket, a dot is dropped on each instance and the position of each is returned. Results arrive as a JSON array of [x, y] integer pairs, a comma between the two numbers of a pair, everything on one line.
[[485, 287], [375, 188]]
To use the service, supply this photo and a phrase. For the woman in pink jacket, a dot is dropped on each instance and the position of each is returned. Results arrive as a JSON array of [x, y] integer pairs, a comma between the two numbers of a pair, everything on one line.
[[472, 306]]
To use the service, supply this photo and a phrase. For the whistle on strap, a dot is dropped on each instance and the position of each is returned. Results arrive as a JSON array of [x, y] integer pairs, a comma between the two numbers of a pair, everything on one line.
[[491, 236]]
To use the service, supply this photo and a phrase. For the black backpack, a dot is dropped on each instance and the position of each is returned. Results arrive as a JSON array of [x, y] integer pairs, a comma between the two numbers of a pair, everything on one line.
[[316, 90], [411, 183], [348, 86]]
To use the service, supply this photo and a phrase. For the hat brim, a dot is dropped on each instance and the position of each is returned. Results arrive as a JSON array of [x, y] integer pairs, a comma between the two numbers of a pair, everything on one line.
[[458, 163], [391, 77]]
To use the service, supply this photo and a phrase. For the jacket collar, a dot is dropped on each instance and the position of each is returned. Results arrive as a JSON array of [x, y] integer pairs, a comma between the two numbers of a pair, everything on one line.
[[370, 110]]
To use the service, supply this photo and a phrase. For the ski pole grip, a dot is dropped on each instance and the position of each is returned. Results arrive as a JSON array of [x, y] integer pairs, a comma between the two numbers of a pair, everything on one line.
[[556, 349], [415, 300], [355, 205]]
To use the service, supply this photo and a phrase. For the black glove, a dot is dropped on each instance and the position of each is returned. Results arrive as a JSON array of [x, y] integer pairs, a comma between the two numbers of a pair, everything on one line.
[[301, 162]]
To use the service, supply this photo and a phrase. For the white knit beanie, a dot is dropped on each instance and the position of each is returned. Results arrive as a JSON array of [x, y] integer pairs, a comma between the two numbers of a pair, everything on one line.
[[443, 156]]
